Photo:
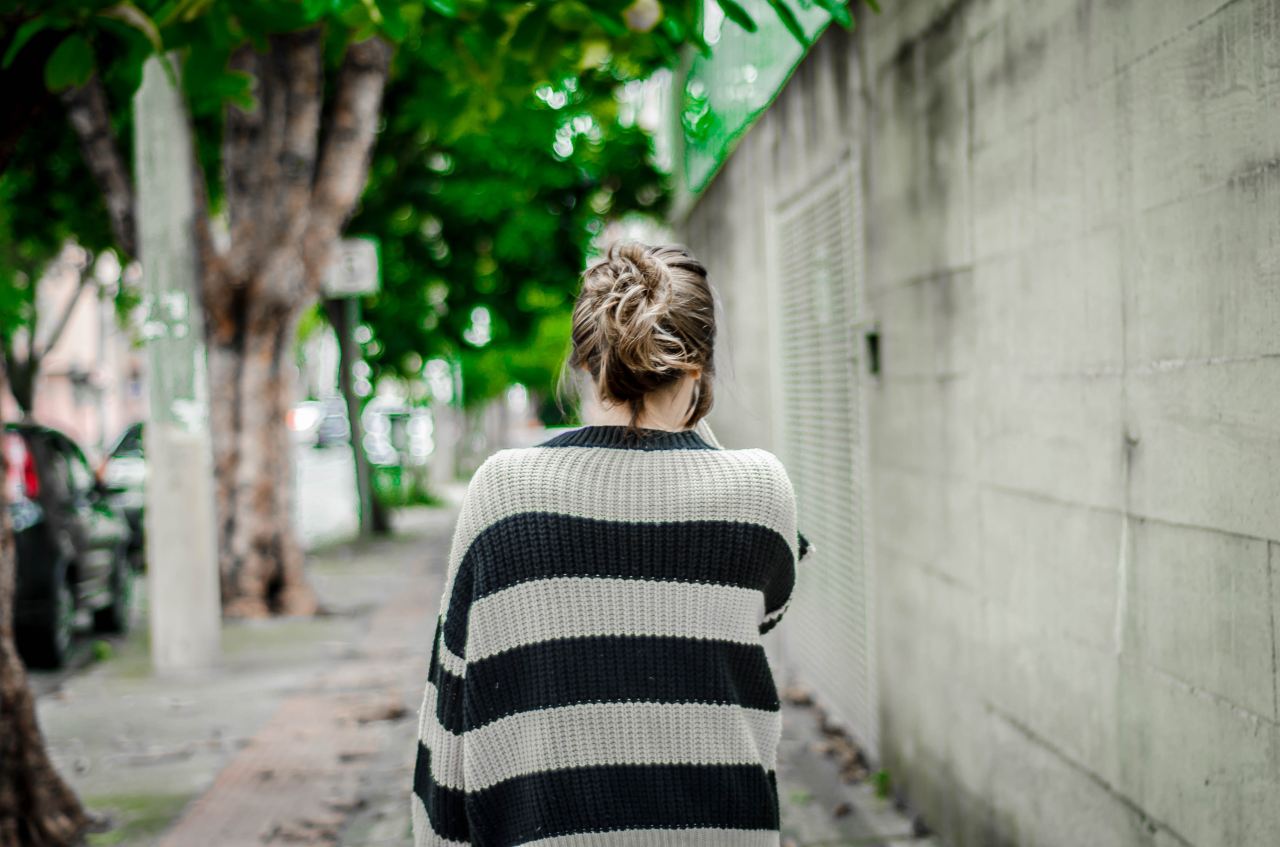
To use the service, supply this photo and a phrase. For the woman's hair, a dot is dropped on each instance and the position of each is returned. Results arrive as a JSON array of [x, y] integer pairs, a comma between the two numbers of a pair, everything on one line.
[[645, 316]]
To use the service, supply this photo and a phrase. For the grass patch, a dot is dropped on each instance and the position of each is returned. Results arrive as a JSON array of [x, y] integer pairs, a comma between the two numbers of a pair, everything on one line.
[[800, 797], [882, 783], [135, 818], [102, 650]]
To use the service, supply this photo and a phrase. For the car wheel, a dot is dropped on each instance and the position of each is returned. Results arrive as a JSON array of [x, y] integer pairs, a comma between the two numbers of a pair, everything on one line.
[[47, 643], [114, 617]]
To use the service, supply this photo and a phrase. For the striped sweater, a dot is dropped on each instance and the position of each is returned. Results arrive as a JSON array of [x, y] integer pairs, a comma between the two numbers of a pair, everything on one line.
[[597, 675]]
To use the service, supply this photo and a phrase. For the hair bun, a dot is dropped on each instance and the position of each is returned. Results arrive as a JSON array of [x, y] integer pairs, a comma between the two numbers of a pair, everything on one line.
[[645, 317], [634, 266]]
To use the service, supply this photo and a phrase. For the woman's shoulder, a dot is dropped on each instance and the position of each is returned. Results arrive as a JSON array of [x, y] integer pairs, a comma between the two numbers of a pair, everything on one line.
[[765, 461]]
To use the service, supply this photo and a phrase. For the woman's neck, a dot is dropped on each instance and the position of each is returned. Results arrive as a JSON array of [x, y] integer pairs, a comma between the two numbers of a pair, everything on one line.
[[663, 409], [621, 416]]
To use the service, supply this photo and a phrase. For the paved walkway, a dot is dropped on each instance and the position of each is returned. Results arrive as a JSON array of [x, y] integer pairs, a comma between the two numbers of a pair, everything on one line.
[[305, 736]]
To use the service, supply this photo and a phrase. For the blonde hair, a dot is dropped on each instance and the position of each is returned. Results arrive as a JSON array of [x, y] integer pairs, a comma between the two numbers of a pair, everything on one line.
[[645, 316]]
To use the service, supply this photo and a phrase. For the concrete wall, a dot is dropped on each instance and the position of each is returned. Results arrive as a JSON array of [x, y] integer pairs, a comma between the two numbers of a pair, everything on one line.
[[1073, 252]]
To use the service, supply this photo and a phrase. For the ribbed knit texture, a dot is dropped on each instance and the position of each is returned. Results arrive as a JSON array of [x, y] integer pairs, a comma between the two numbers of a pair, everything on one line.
[[597, 675]]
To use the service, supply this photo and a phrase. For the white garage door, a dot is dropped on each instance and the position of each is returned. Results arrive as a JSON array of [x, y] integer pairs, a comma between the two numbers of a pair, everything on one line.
[[818, 314]]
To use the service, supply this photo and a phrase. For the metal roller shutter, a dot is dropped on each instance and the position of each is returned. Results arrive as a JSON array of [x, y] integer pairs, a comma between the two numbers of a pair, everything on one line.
[[818, 312]]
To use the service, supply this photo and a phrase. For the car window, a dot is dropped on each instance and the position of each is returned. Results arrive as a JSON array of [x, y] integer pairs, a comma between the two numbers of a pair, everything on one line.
[[130, 443]]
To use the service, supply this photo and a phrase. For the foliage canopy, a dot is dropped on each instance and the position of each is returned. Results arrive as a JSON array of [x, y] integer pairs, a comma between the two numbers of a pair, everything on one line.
[[501, 153]]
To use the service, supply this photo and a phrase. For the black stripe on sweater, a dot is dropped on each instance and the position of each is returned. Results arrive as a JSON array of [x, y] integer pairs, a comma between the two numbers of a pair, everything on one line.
[[619, 437], [449, 693], [577, 800], [538, 545], [767, 626], [446, 807], [613, 669]]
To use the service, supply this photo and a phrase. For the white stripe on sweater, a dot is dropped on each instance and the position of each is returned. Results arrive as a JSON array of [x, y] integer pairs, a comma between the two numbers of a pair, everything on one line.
[[578, 607], [453, 664], [591, 734], [599, 733]]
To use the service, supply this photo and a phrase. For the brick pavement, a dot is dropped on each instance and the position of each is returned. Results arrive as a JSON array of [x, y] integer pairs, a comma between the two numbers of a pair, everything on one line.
[[299, 779]]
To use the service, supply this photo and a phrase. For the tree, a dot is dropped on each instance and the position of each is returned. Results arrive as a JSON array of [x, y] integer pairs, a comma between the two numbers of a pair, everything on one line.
[[48, 200], [255, 79], [286, 97]]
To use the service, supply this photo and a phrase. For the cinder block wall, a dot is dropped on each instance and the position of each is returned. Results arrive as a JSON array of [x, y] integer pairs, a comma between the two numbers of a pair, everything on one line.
[[1073, 235]]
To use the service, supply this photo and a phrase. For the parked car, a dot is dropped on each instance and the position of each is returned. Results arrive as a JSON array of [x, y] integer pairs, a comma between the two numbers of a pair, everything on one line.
[[320, 423], [124, 473], [72, 545]]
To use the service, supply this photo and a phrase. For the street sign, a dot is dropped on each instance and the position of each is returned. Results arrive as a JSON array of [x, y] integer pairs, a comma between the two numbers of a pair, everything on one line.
[[353, 270]]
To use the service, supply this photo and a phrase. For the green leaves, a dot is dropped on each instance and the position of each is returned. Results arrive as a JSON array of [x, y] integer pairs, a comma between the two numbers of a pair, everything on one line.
[[131, 15], [24, 34], [530, 31], [70, 64], [839, 11], [738, 15], [448, 8], [394, 24], [789, 20]]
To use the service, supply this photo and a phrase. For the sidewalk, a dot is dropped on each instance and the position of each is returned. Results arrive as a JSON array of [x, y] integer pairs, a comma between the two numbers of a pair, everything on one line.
[[305, 736]]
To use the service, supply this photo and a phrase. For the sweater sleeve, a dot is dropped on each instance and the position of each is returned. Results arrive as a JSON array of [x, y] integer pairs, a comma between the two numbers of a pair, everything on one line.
[[780, 584], [438, 801]]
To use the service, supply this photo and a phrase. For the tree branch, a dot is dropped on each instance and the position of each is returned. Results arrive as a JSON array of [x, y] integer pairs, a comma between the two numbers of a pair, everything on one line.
[[241, 138], [298, 59], [344, 158], [90, 117], [81, 287], [269, 153]]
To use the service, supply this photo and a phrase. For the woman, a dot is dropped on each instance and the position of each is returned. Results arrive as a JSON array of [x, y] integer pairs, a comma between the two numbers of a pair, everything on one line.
[[597, 676]]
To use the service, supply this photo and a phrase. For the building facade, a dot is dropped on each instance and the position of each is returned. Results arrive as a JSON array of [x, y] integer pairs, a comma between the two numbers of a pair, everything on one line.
[[1001, 284]]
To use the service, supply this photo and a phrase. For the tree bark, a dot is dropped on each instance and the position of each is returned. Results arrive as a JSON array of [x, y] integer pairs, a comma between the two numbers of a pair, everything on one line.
[[37, 808], [23, 371], [260, 557], [90, 117]]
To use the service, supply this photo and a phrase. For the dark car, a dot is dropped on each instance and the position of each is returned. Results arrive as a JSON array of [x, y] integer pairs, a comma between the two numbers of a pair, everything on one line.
[[72, 545]]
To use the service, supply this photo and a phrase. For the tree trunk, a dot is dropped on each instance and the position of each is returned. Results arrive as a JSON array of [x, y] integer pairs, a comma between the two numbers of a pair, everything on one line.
[[287, 197], [260, 556], [37, 809], [22, 381]]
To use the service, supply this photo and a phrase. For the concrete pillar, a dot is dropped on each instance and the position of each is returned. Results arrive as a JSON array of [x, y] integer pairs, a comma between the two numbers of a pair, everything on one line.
[[182, 566]]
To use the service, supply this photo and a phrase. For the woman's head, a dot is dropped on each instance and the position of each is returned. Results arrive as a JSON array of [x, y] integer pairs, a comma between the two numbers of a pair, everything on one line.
[[644, 322]]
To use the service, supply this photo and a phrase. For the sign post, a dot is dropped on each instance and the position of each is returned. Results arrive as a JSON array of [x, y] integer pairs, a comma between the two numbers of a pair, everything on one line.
[[353, 272]]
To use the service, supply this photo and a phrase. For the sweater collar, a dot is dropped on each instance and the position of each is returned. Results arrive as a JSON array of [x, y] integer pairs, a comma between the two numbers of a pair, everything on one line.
[[616, 436]]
